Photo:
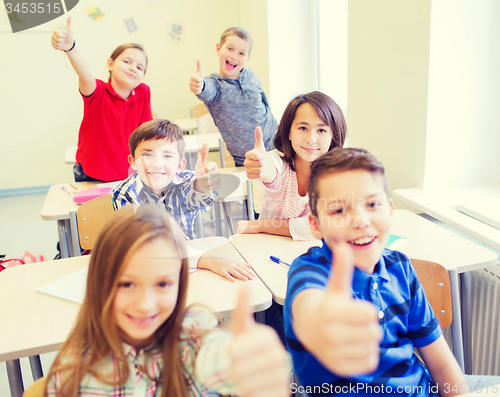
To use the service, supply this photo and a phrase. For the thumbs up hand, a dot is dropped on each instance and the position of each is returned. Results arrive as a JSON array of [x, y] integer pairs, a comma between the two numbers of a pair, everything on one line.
[[343, 333], [260, 363], [207, 172], [196, 81], [256, 158], [63, 39]]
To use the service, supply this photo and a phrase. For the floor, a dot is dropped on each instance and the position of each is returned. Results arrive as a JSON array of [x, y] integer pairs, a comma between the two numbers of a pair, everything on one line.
[[22, 229]]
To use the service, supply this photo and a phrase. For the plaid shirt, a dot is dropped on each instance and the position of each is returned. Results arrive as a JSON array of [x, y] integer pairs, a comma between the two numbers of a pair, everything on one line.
[[207, 365], [180, 199]]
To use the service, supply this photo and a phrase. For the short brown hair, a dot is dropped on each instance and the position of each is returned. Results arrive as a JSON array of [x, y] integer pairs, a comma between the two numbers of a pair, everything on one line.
[[342, 160], [156, 130], [327, 110], [235, 31]]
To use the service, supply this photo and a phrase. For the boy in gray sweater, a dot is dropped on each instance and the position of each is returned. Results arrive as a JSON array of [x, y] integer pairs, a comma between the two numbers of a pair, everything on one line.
[[235, 97]]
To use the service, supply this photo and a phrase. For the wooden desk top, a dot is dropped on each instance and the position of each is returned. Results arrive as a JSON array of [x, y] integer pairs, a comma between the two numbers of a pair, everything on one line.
[[186, 125], [257, 248], [59, 203], [34, 323], [195, 142], [426, 240]]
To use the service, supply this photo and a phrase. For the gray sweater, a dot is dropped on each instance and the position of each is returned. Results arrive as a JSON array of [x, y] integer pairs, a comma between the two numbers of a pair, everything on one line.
[[238, 106]]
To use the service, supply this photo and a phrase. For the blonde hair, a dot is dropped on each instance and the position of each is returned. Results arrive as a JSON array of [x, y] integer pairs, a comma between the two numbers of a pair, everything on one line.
[[96, 334], [239, 32]]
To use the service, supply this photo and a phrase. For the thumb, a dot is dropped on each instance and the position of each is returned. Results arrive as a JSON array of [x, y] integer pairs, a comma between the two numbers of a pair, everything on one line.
[[259, 139], [204, 153], [342, 271], [199, 70], [242, 318], [68, 24]]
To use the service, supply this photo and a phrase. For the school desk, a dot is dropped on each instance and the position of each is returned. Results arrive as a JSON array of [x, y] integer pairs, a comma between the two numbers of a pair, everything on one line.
[[35, 323], [444, 205], [426, 241], [59, 206]]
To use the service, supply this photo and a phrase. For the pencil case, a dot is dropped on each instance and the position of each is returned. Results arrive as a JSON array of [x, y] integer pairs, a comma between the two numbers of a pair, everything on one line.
[[88, 194]]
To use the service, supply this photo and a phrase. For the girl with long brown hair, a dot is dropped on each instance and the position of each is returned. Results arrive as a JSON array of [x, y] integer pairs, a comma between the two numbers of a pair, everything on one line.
[[133, 335], [312, 124]]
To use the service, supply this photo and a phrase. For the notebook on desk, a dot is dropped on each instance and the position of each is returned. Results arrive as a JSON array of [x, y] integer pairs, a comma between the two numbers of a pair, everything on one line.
[[71, 288]]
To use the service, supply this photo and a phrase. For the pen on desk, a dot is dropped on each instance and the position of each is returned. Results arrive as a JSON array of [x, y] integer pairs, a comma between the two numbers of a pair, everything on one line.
[[73, 186], [86, 184], [63, 188], [278, 260]]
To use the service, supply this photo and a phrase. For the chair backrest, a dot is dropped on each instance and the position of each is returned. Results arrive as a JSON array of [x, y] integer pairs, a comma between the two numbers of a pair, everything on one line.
[[91, 217], [198, 110], [436, 282], [36, 389], [206, 124]]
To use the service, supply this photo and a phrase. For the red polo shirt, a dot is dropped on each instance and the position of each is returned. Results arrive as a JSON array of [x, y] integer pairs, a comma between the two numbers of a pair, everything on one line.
[[108, 121]]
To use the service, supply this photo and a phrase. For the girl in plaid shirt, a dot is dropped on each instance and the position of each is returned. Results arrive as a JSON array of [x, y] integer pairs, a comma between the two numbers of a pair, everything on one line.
[[134, 337]]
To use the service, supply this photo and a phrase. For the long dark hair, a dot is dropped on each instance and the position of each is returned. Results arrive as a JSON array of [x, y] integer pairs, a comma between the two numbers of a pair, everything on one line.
[[327, 110]]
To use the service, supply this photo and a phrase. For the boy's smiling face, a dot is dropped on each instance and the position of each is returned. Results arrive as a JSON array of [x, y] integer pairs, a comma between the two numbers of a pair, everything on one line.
[[353, 208], [157, 162], [233, 56]]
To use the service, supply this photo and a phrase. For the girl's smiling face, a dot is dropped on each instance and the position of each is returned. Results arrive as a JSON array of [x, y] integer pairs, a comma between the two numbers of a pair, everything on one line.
[[147, 291], [127, 70], [309, 135]]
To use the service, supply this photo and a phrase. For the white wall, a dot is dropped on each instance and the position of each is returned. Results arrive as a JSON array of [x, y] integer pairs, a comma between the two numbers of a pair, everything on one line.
[[332, 17], [40, 107], [388, 65], [292, 51], [463, 125]]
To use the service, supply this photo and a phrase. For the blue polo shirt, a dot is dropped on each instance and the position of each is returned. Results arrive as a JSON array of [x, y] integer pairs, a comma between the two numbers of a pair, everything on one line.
[[407, 321]]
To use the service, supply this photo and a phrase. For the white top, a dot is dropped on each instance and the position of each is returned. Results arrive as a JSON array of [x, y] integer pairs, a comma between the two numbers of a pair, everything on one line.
[[283, 201]]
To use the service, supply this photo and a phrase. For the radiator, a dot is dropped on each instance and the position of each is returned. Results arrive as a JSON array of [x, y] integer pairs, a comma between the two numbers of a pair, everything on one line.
[[485, 327]]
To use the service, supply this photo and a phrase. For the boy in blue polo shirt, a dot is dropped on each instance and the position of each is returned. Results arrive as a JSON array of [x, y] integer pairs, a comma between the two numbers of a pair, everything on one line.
[[353, 332], [235, 97]]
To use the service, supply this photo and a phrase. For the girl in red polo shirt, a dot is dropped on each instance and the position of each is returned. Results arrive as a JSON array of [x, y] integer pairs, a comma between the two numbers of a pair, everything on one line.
[[112, 110]]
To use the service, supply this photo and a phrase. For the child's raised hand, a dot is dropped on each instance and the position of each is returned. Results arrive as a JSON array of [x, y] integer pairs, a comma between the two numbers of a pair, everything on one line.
[[348, 333], [254, 159], [260, 364], [63, 39], [207, 172], [196, 82]]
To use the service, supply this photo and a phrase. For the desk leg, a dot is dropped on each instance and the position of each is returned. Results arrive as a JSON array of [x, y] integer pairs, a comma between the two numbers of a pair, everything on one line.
[[190, 161], [63, 231], [456, 326], [15, 378], [465, 283], [36, 367], [218, 220], [229, 219], [260, 317], [200, 233], [75, 241]]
